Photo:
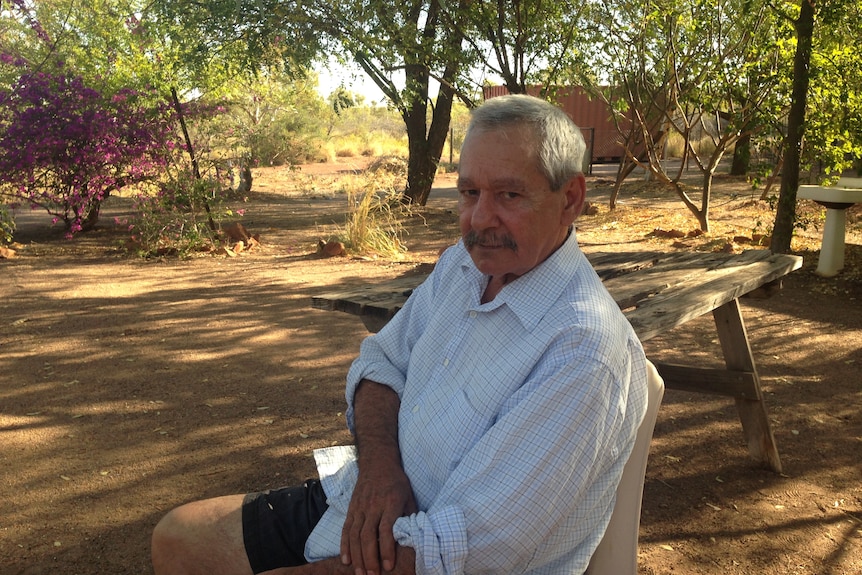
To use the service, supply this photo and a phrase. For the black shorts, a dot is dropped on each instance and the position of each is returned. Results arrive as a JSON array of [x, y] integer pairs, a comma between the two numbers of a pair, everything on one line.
[[276, 524]]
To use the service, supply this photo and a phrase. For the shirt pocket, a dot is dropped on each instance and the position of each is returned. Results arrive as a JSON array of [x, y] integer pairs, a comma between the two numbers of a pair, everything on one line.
[[461, 426]]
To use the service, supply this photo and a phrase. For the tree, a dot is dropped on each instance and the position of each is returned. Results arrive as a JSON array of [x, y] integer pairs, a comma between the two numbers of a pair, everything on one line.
[[526, 41], [65, 147], [833, 116], [212, 40], [402, 47], [268, 120], [785, 214], [684, 68], [69, 137], [826, 34]]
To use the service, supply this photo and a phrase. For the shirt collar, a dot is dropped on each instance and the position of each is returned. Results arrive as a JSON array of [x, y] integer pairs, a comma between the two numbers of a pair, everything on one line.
[[531, 295]]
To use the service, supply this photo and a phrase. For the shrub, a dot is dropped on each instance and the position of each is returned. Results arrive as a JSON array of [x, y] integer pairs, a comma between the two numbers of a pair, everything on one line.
[[176, 220], [7, 225], [65, 147], [373, 225]]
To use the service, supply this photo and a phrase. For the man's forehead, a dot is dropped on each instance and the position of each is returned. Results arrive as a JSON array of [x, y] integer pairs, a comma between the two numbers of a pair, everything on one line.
[[492, 181]]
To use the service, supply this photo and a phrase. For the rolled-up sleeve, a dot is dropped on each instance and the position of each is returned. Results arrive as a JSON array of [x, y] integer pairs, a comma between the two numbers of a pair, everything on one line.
[[441, 539], [385, 356]]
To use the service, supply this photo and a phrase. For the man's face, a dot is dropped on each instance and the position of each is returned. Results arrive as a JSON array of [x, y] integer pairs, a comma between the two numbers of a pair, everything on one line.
[[510, 219]]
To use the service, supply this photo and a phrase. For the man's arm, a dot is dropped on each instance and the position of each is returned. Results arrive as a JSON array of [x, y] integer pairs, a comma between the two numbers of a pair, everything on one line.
[[383, 492]]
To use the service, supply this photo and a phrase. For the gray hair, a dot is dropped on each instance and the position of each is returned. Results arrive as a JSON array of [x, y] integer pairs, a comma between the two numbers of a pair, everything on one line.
[[560, 143]]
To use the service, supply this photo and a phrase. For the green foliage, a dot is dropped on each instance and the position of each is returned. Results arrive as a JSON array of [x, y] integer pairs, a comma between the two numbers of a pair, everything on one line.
[[268, 120], [402, 47], [341, 99], [101, 41], [175, 219], [219, 40], [700, 70], [526, 43], [7, 225], [833, 117]]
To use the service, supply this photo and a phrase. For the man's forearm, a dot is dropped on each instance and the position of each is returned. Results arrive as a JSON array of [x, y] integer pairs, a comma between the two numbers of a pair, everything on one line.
[[375, 409], [382, 493]]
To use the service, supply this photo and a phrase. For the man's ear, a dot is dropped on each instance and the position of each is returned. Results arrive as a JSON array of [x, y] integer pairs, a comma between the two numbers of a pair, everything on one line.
[[576, 192]]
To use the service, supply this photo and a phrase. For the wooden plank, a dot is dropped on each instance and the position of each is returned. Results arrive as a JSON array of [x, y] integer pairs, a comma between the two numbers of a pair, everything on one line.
[[703, 292], [393, 293], [656, 291], [752, 411], [390, 294], [742, 384]]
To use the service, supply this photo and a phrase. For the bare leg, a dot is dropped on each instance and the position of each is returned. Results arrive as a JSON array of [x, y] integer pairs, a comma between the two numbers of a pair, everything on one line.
[[204, 537]]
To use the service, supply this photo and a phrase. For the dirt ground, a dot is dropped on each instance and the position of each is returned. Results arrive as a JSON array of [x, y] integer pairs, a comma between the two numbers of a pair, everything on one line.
[[129, 386]]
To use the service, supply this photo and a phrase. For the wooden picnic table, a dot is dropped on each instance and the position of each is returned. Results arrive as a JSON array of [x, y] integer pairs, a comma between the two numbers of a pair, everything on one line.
[[656, 292]]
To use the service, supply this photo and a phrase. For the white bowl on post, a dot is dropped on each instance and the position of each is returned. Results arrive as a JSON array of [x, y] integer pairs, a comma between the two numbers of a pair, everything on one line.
[[836, 199]]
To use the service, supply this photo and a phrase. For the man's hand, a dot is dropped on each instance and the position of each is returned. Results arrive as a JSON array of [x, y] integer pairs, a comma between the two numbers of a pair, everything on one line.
[[383, 492], [381, 496], [404, 565]]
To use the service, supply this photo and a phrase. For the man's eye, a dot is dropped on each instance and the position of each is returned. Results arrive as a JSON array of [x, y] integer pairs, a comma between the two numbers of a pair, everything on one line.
[[469, 193], [511, 195]]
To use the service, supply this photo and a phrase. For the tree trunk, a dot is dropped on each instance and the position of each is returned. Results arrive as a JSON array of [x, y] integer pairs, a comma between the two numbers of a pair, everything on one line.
[[91, 218], [426, 143], [421, 165], [623, 172], [436, 141], [426, 148], [191, 151], [741, 156], [703, 215], [785, 214]]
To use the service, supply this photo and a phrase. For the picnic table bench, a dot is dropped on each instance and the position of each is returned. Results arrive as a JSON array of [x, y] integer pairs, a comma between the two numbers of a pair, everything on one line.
[[656, 292]]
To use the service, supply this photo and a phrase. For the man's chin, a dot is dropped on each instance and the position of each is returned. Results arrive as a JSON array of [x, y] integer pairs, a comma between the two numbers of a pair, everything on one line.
[[489, 261]]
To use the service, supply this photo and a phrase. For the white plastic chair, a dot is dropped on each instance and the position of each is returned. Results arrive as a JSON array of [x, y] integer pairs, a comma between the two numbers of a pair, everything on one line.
[[617, 553]]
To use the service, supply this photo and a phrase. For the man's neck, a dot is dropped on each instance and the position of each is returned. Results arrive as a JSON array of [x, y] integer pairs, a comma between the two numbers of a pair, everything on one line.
[[495, 284]]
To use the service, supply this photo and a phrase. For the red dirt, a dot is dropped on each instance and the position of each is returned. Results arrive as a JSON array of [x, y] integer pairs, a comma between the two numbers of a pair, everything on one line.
[[129, 386]]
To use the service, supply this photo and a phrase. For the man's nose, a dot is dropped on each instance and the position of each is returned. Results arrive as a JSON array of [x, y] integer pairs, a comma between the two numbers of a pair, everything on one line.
[[484, 214]]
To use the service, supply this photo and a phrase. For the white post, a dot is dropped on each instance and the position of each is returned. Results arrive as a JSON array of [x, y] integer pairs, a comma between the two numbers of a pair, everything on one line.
[[832, 249]]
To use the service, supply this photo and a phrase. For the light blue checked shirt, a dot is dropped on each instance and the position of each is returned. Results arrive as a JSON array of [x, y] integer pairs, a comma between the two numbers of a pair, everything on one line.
[[516, 418]]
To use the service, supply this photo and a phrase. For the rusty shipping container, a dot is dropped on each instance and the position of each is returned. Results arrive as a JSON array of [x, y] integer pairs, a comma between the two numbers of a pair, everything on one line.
[[591, 115]]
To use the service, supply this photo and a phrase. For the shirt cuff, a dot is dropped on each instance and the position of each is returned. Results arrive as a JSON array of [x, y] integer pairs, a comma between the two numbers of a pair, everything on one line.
[[439, 539]]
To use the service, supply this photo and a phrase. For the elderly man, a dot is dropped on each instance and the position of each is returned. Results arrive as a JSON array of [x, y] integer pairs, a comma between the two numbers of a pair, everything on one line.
[[492, 416]]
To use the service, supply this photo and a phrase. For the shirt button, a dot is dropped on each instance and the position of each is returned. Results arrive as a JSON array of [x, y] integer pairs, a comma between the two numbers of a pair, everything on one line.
[[473, 314], [446, 362], [415, 409]]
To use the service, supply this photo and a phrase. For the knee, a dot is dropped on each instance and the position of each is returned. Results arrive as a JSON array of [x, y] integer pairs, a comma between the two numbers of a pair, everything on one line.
[[202, 537], [168, 544]]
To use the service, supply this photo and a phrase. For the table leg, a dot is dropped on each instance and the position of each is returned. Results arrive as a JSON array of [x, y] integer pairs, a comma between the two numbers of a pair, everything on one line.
[[752, 411]]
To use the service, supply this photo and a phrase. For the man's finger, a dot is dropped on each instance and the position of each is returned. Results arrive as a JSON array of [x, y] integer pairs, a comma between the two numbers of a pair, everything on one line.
[[345, 539], [370, 546], [387, 547]]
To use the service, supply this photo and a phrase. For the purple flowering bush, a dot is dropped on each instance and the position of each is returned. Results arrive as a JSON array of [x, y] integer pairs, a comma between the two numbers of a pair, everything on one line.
[[64, 147]]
